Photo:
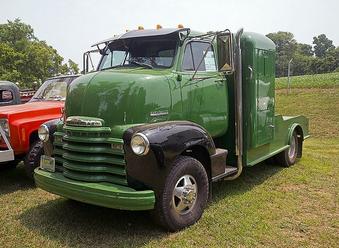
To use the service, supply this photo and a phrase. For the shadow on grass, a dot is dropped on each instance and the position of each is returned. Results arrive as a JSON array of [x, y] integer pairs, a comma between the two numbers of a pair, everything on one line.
[[14, 179], [250, 177], [77, 224]]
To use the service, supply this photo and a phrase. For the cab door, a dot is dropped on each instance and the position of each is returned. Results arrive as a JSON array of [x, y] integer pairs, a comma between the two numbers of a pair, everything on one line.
[[204, 94]]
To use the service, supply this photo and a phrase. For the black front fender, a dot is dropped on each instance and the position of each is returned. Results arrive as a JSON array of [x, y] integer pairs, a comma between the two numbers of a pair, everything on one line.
[[167, 141]]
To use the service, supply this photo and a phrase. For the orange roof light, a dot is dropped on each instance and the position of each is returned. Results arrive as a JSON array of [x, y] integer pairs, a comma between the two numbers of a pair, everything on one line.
[[180, 26], [140, 28], [159, 26]]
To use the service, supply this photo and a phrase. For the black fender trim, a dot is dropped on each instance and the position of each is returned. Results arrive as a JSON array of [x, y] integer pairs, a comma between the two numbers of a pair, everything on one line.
[[167, 141], [52, 127]]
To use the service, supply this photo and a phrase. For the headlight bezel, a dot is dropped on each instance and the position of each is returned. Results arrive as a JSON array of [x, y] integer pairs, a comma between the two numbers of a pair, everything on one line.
[[43, 133], [5, 126], [144, 143]]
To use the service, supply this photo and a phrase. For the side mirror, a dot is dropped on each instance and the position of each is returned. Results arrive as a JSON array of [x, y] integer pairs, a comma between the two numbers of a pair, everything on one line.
[[225, 52]]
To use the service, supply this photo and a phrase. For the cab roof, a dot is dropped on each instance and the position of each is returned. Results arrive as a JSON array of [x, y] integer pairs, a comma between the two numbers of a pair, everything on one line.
[[143, 33]]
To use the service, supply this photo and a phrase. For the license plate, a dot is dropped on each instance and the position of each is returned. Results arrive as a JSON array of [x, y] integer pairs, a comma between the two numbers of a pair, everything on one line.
[[47, 163]]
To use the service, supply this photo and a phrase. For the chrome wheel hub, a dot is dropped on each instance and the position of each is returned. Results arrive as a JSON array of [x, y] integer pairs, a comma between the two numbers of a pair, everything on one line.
[[184, 194], [292, 150]]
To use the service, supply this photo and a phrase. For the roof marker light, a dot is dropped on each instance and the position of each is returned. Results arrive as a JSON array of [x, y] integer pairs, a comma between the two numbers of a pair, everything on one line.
[[140, 28], [180, 26], [159, 26]]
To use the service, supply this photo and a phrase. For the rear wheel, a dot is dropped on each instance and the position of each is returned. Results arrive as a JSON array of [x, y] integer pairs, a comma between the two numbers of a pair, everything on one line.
[[32, 159], [184, 196], [289, 156]]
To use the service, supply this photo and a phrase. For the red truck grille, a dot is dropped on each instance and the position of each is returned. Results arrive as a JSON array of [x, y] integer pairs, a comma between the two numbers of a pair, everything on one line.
[[89, 154]]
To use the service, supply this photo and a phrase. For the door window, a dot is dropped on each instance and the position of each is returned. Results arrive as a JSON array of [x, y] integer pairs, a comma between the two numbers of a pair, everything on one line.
[[194, 55]]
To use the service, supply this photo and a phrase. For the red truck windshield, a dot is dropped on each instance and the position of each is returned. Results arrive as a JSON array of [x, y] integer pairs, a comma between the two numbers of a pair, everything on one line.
[[149, 52], [52, 90]]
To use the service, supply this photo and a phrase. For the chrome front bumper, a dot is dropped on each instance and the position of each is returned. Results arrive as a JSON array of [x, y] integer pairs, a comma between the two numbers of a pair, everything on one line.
[[8, 154]]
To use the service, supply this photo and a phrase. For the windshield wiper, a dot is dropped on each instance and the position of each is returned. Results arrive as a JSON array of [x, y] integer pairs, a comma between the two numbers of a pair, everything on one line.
[[140, 63]]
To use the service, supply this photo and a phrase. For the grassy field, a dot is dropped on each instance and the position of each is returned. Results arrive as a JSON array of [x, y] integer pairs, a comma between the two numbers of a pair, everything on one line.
[[327, 80], [268, 206]]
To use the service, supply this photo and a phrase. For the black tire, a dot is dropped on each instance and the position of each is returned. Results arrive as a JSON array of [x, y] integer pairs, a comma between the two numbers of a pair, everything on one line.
[[32, 159], [289, 156], [167, 211]]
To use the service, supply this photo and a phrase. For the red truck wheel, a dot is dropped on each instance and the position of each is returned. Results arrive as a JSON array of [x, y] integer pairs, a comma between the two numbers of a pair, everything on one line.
[[184, 196], [32, 159]]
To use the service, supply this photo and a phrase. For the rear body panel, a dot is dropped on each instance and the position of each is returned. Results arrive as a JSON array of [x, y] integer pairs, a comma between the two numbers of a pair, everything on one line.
[[265, 134], [283, 126]]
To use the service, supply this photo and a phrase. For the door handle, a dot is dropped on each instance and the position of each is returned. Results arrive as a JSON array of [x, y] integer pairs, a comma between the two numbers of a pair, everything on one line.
[[251, 72]]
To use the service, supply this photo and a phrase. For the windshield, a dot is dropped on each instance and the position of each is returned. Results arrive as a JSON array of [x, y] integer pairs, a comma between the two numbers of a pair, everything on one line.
[[53, 90], [149, 52]]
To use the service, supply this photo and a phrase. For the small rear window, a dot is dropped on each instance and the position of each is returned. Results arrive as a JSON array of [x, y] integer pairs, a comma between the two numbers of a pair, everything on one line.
[[6, 96]]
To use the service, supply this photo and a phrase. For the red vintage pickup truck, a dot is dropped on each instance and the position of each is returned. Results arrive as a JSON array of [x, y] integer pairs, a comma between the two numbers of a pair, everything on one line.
[[19, 123]]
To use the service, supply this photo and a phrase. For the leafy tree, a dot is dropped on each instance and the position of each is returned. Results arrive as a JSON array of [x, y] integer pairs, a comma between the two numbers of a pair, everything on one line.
[[73, 67], [304, 49], [328, 63], [301, 64], [25, 59], [326, 57], [321, 45], [286, 47]]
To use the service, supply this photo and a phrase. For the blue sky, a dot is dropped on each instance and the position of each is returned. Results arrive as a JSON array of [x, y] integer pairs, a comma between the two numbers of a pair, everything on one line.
[[72, 26]]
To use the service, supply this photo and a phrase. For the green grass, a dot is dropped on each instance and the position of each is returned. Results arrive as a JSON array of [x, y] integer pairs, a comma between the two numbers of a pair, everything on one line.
[[327, 80], [268, 206]]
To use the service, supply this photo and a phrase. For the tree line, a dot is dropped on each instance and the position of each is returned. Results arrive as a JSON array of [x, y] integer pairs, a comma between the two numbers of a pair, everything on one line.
[[320, 57], [25, 59]]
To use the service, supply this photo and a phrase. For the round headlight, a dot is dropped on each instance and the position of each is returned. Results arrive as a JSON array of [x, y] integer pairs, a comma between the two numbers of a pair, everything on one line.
[[43, 133], [140, 144]]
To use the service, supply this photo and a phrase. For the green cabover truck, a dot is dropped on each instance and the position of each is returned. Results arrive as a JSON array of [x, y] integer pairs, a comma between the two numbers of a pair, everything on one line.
[[166, 113]]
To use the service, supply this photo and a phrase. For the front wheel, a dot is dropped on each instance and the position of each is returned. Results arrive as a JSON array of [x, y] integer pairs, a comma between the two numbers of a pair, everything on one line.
[[184, 196], [32, 159]]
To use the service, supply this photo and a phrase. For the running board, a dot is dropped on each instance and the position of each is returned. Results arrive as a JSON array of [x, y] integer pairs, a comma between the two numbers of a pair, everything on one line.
[[228, 171]]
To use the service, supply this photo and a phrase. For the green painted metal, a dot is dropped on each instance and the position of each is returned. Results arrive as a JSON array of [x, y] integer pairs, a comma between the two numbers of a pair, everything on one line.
[[125, 97], [101, 194], [265, 134]]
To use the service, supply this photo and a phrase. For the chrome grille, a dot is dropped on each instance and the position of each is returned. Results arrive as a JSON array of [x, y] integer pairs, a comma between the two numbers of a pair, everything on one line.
[[89, 154]]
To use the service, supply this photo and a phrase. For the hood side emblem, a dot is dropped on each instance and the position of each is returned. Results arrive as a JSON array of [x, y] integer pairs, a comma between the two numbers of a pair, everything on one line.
[[158, 113]]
